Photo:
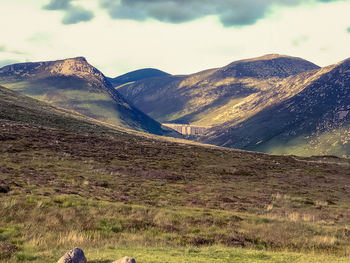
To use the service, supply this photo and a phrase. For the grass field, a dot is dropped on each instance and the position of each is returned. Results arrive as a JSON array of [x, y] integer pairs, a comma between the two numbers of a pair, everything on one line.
[[115, 193], [41, 229]]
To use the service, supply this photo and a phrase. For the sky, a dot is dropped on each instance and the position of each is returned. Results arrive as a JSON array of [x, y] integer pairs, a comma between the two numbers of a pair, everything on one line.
[[177, 36]]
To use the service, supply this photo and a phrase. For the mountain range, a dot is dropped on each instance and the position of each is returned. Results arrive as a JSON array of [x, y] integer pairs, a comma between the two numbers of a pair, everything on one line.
[[274, 104]]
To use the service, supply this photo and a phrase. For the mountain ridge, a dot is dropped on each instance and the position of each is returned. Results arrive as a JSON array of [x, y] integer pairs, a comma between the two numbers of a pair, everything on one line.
[[199, 94], [238, 94], [136, 75]]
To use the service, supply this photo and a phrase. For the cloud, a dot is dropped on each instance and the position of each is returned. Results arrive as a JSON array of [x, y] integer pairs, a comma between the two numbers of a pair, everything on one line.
[[230, 12], [7, 62], [4, 49], [58, 5], [76, 15], [73, 14], [300, 40]]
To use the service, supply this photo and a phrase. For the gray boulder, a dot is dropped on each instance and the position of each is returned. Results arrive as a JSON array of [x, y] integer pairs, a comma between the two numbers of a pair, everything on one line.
[[75, 255], [125, 260]]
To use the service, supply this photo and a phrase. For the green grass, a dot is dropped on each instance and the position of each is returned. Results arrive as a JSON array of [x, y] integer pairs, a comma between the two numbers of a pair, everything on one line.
[[43, 227], [215, 254]]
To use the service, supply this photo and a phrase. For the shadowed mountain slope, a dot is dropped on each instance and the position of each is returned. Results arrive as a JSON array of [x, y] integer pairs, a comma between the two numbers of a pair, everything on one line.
[[137, 75], [75, 85], [207, 98]]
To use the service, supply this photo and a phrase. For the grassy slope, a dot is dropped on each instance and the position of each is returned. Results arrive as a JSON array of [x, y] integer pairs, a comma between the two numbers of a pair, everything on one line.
[[114, 193]]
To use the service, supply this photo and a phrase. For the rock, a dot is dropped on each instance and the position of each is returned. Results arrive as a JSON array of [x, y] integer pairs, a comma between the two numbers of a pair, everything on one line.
[[76, 255], [4, 189], [125, 260]]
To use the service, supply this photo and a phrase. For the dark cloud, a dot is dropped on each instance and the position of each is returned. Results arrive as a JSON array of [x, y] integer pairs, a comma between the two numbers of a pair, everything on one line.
[[73, 14], [76, 15], [58, 5], [230, 12], [7, 62]]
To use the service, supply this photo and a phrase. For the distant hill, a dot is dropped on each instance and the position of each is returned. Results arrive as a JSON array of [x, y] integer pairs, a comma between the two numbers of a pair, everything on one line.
[[137, 75], [74, 84]]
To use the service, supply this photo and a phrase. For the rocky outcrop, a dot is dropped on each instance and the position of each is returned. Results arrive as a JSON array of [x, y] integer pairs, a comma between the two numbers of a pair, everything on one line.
[[125, 260], [75, 255], [4, 188]]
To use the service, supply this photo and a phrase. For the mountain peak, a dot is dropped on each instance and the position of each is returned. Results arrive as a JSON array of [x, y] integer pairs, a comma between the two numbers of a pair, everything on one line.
[[267, 66], [78, 59], [268, 57], [77, 66]]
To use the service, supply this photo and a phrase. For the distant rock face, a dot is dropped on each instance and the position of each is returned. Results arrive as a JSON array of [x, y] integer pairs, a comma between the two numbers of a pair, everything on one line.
[[125, 260], [75, 255]]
